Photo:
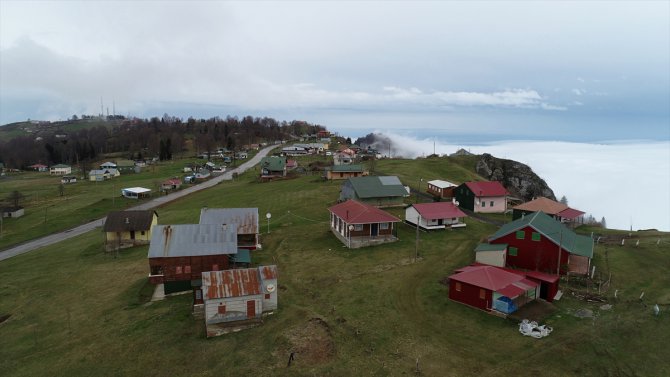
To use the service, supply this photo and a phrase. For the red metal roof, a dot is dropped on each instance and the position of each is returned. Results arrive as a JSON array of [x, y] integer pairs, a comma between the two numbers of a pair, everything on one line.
[[172, 181], [487, 188], [511, 291], [438, 210], [230, 283], [489, 277], [354, 212], [570, 213]]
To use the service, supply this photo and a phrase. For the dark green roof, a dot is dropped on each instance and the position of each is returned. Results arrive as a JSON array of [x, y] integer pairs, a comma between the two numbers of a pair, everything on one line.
[[376, 187], [346, 168], [491, 247], [242, 256], [273, 163], [552, 229]]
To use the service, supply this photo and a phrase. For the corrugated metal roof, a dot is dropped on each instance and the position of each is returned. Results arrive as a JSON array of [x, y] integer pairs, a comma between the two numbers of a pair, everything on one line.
[[441, 184], [570, 213], [192, 240], [136, 190], [246, 219], [126, 221], [543, 204], [438, 210], [273, 163], [347, 168], [236, 283], [268, 272], [491, 247], [553, 230], [489, 277], [354, 212], [487, 188], [242, 256], [376, 187]]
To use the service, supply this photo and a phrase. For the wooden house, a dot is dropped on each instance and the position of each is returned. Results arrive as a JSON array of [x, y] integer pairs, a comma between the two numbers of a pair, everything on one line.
[[483, 196], [358, 224], [557, 210], [491, 254], [273, 167], [379, 191], [441, 189], [127, 166], [13, 212], [338, 172], [236, 299], [341, 158], [128, 228], [436, 215], [245, 219], [538, 242], [60, 169], [135, 192], [108, 165], [179, 254], [491, 288], [99, 175]]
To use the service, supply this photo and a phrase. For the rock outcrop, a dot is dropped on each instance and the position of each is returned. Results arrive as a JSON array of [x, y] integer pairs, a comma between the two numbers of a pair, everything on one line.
[[518, 178]]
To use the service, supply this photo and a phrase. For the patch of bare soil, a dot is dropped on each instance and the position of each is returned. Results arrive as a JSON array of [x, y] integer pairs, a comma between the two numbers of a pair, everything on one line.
[[311, 343], [536, 310], [4, 317]]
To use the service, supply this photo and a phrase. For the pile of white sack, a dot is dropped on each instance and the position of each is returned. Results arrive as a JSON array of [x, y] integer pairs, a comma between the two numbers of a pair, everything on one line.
[[532, 329]]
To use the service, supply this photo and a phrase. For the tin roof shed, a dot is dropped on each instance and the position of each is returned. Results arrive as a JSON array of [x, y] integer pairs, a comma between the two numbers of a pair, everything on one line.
[[246, 219], [193, 240]]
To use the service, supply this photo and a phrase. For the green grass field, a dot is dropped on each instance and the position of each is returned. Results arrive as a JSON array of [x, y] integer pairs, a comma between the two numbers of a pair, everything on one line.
[[76, 311]]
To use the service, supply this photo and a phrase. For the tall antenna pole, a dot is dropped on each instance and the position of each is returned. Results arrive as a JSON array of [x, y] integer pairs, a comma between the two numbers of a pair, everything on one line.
[[101, 112], [113, 108]]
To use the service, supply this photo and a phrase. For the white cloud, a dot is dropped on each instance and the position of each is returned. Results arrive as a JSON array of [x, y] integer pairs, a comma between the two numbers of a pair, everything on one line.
[[579, 92], [546, 106]]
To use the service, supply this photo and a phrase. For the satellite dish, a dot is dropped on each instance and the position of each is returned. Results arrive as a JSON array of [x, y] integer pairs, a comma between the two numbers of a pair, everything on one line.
[[270, 288], [268, 215]]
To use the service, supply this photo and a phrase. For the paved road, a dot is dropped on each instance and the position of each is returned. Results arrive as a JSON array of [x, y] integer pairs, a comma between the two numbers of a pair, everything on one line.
[[64, 235]]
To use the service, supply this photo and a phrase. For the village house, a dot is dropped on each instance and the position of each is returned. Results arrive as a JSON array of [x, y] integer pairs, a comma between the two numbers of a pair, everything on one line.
[[135, 192], [237, 299], [39, 167], [128, 228], [202, 174], [273, 167], [436, 215], [127, 166], [557, 210], [482, 196], [99, 175], [291, 165], [379, 191], [345, 172], [245, 220], [358, 224], [60, 169], [13, 212], [441, 189], [171, 184], [491, 288], [108, 165], [68, 179], [538, 242], [241, 155], [179, 254], [340, 158], [294, 151]]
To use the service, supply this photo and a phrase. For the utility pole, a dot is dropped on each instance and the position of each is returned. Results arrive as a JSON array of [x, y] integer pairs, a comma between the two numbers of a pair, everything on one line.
[[416, 246]]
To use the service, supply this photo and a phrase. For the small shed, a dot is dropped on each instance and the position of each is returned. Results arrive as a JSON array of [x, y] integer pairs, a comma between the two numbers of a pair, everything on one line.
[[238, 298], [441, 189], [13, 212], [135, 192], [98, 175], [491, 254], [171, 184], [436, 215]]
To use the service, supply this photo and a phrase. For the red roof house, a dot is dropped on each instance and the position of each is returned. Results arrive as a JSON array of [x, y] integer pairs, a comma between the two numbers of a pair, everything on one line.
[[358, 224], [484, 196], [491, 288], [437, 215], [557, 210]]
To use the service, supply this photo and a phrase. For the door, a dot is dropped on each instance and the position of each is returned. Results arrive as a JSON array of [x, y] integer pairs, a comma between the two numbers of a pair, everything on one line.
[[440, 222], [374, 230], [251, 309], [543, 290], [132, 234]]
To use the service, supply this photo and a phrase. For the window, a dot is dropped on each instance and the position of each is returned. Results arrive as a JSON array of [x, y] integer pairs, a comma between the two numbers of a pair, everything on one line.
[[483, 203], [482, 294], [187, 269], [457, 286], [142, 233], [267, 296], [520, 235], [491, 205], [221, 309], [198, 294], [536, 236], [383, 225], [178, 270], [341, 175], [513, 251], [215, 267], [358, 227]]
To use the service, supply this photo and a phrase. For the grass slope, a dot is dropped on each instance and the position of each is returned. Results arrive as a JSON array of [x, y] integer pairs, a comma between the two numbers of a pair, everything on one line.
[[76, 311]]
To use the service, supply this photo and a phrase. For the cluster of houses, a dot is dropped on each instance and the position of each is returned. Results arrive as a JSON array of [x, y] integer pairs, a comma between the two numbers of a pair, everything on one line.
[[211, 260], [109, 170], [197, 173], [521, 262]]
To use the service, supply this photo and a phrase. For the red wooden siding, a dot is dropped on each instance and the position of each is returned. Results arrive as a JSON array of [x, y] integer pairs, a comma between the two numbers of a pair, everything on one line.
[[533, 255], [470, 295], [187, 268]]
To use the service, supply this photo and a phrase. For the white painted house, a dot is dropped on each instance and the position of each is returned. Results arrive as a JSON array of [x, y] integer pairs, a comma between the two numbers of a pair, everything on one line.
[[437, 215]]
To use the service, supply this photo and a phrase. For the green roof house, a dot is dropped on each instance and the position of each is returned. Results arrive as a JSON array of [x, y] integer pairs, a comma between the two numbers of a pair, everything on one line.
[[378, 191], [273, 167]]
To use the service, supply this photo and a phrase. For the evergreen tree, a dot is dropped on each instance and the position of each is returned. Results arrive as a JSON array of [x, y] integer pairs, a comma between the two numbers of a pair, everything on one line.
[[564, 200], [603, 223]]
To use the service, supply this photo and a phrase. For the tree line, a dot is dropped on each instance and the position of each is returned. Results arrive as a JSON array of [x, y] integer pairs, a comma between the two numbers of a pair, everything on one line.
[[144, 138]]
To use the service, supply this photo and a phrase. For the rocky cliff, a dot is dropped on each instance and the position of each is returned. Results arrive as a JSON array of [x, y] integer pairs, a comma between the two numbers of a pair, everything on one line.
[[518, 178]]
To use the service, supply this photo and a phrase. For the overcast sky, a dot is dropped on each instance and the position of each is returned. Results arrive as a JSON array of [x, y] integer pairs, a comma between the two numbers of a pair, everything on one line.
[[540, 66]]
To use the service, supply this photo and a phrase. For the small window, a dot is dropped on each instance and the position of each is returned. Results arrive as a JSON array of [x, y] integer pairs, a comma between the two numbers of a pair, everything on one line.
[[358, 227], [513, 251], [142, 233], [267, 296], [384, 226], [491, 204], [520, 235], [187, 269], [221, 309], [482, 294], [198, 294], [178, 270], [536, 236], [483, 203], [457, 286]]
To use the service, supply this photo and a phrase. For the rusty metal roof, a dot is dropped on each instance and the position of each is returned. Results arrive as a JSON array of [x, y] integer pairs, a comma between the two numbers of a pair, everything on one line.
[[246, 219], [235, 283], [192, 240], [126, 221], [268, 272]]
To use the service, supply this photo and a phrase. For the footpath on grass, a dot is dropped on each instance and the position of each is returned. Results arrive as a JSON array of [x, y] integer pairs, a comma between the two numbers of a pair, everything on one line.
[[154, 203]]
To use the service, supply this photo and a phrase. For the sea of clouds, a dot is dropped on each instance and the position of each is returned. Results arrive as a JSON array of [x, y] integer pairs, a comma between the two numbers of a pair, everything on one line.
[[627, 183]]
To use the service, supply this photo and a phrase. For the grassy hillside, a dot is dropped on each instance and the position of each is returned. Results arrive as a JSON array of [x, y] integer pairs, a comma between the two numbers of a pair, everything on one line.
[[76, 311], [12, 130]]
